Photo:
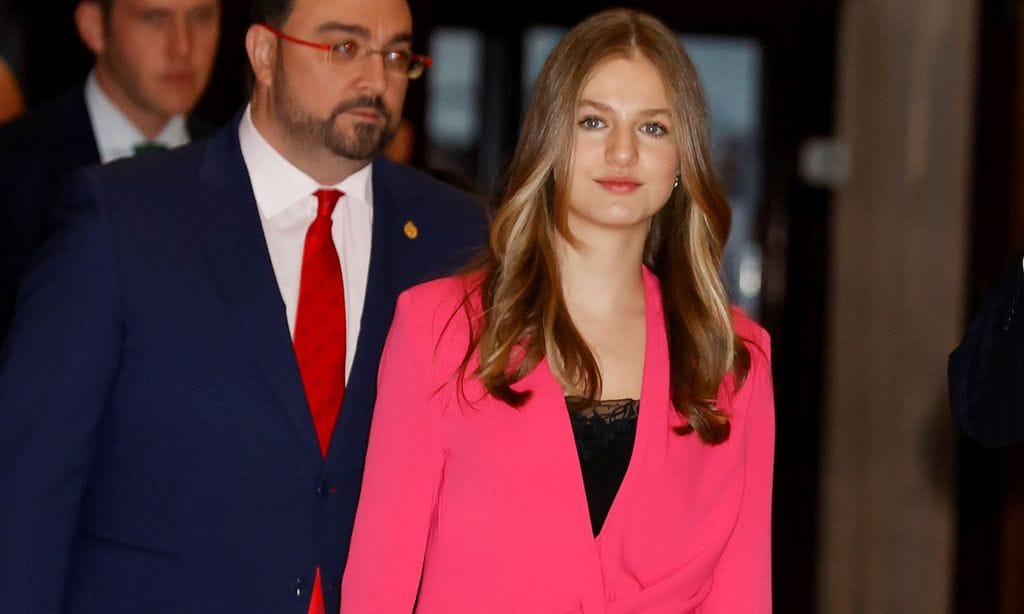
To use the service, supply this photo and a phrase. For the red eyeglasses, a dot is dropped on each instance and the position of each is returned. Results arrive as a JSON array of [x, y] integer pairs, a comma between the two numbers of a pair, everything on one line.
[[347, 52]]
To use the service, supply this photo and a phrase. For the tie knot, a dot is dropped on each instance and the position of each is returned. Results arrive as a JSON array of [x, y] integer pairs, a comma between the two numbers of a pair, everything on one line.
[[149, 147], [326, 200]]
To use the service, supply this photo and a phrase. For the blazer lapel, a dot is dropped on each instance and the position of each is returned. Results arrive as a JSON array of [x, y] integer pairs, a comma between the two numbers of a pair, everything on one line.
[[560, 460], [381, 290], [652, 429], [79, 136], [351, 431], [228, 225]]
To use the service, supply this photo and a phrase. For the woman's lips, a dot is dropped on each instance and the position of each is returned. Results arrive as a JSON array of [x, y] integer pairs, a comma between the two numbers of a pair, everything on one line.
[[619, 186]]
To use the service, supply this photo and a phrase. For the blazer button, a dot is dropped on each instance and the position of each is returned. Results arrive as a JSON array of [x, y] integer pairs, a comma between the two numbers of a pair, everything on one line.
[[323, 489], [299, 587]]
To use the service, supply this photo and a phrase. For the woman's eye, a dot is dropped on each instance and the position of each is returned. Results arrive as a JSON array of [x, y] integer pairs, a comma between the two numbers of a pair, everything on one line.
[[653, 129], [591, 123]]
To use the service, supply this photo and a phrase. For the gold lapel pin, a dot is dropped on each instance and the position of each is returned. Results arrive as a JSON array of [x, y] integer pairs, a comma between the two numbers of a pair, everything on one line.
[[411, 232]]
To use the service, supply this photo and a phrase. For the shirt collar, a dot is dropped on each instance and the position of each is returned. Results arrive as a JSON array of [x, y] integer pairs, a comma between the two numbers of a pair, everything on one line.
[[116, 135], [278, 184]]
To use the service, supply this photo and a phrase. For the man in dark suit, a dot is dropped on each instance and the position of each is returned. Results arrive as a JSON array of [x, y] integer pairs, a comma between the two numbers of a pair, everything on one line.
[[986, 373], [153, 61], [167, 443]]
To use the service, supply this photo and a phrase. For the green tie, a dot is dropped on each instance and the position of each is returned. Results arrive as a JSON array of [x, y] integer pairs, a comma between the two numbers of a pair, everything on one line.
[[144, 149]]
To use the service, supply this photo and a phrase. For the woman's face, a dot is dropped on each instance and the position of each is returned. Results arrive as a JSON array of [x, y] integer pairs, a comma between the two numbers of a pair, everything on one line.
[[625, 159]]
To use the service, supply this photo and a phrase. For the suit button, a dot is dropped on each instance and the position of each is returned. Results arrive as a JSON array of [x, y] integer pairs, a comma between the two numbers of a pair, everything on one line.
[[324, 488], [299, 587]]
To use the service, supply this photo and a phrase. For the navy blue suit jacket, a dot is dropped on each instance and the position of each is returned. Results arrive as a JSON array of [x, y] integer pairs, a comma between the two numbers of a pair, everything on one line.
[[986, 373], [156, 450], [38, 153]]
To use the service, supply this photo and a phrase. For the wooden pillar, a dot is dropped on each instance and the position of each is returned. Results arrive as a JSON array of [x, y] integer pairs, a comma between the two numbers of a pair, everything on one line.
[[905, 97]]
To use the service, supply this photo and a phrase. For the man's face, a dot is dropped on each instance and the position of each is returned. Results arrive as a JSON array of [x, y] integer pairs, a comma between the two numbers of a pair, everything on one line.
[[158, 54], [352, 107]]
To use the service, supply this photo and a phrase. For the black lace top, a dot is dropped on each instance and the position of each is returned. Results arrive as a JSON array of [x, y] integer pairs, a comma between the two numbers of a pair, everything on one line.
[[604, 433]]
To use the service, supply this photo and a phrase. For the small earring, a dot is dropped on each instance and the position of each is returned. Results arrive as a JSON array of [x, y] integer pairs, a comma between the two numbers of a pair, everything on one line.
[[676, 184]]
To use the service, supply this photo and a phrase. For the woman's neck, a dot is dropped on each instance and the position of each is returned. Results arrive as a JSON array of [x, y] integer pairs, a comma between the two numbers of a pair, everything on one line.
[[602, 276], [603, 286]]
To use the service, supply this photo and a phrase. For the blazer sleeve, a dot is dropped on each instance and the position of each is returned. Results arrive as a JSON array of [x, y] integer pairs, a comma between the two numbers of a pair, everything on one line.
[[743, 577], [403, 470], [56, 370], [986, 373]]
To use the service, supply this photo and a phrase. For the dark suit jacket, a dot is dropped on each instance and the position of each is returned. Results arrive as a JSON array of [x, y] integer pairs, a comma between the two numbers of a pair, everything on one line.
[[156, 450], [986, 373], [38, 152]]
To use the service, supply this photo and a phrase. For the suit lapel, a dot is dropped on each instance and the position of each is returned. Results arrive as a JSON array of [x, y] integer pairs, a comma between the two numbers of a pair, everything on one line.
[[381, 292], [79, 130], [348, 441], [229, 228]]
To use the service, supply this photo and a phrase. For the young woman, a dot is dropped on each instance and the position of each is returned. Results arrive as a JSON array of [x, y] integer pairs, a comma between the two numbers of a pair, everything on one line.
[[581, 424]]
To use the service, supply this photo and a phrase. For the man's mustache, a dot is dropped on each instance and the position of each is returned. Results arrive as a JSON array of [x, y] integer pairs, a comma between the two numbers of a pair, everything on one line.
[[364, 102]]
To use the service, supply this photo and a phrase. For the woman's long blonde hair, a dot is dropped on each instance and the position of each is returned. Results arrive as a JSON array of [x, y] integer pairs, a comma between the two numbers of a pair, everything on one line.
[[524, 314]]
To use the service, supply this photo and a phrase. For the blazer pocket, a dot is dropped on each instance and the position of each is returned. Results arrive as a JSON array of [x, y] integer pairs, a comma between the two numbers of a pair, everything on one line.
[[102, 568]]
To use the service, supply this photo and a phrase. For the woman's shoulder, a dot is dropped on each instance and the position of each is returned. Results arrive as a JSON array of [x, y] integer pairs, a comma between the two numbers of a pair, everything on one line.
[[754, 336], [758, 344], [443, 293], [434, 322], [440, 306], [752, 404]]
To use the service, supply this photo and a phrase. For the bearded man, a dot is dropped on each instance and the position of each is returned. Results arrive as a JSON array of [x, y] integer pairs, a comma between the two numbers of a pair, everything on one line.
[[186, 388]]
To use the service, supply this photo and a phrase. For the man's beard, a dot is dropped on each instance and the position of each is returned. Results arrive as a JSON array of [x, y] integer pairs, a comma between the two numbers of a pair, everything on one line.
[[367, 140]]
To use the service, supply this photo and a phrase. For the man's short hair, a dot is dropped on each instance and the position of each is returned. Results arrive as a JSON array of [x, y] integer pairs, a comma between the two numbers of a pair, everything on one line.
[[273, 12]]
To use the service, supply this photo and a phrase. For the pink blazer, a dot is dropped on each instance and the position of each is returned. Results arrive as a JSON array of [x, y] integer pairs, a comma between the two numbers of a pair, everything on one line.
[[480, 507]]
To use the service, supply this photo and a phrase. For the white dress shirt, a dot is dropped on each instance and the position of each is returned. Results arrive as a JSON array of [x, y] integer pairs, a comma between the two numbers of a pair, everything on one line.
[[116, 135], [287, 205]]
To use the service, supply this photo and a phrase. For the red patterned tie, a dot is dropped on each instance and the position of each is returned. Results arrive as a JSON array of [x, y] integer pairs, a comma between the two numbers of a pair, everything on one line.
[[320, 321], [320, 334]]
